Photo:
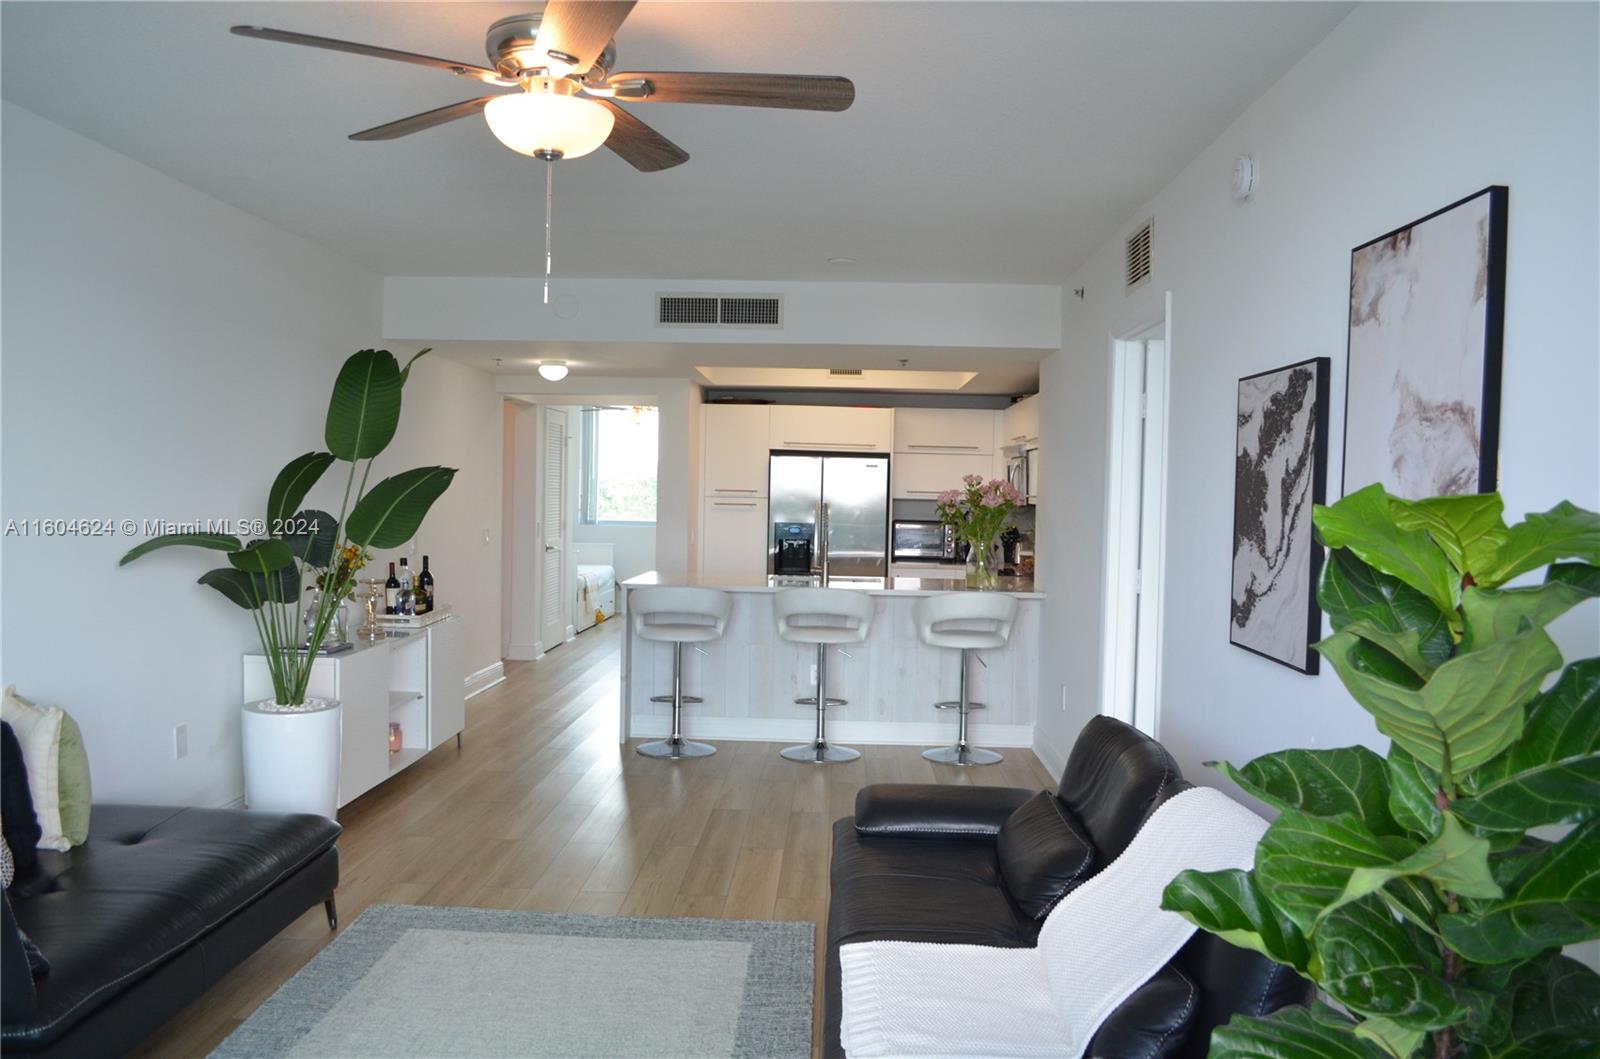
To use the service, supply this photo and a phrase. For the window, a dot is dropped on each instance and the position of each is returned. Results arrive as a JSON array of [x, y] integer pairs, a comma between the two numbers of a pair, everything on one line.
[[619, 464]]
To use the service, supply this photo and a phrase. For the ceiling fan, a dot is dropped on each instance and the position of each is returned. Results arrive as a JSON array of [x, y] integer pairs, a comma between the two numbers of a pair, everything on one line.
[[561, 61]]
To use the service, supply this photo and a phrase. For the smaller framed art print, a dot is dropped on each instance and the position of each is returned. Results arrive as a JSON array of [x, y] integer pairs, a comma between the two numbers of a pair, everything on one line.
[[1280, 468]]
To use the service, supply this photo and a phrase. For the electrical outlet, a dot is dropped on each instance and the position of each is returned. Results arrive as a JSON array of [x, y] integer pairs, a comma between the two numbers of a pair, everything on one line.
[[180, 740]]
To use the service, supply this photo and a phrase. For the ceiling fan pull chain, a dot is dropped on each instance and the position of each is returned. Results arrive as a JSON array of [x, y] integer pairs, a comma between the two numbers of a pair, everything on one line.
[[549, 184]]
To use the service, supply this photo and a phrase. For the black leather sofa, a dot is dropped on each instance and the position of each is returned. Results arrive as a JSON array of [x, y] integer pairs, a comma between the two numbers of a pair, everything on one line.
[[148, 914], [918, 862]]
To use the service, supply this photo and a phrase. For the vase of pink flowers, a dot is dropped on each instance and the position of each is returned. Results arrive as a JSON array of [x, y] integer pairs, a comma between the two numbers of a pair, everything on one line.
[[978, 512]]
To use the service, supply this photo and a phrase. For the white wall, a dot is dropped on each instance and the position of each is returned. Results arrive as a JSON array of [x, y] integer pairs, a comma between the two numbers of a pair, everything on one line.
[[165, 355], [1401, 110]]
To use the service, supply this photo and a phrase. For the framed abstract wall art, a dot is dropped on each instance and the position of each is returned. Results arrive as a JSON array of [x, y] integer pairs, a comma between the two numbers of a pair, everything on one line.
[[1279, 473], [1422, 396]]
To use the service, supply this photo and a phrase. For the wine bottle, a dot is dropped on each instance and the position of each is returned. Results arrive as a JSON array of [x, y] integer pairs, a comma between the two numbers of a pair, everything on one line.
[[391, 592], [424, 589]]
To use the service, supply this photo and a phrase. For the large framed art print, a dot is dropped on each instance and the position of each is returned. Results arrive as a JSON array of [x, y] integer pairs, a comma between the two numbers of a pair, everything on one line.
[[1279, 470], [1422, 396]]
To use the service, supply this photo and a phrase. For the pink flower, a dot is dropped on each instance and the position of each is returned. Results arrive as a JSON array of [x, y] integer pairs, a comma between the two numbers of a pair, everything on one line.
[[949, 498], [991, 500], [973, 481]]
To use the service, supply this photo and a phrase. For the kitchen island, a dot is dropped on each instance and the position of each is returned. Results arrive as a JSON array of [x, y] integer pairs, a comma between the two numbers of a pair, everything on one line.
[[750, 678]]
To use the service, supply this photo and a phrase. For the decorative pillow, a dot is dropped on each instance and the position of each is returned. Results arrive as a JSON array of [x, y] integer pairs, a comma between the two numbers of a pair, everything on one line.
[[76, 793], [8, 867], [17, 820], [1043, 854], [39, 732]]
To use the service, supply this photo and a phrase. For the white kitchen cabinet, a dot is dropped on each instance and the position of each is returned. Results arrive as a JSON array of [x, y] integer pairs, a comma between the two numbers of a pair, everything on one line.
[[823, 428], [924, 475], [947, 430], [447, 686], [733, 540], [1020, 422], [734, 441]]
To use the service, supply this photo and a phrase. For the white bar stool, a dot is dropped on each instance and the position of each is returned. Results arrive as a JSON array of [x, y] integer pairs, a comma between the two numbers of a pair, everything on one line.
[[824, 617], [968, 622], [679, 616]]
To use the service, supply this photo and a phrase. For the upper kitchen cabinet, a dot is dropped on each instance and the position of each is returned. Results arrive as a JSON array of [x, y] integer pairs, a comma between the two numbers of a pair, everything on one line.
[[961, 431], [1020, 422], [733, 446], [825, 428]]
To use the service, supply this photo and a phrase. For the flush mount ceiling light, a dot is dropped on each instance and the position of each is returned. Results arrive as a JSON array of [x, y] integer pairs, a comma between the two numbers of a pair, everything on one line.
[[553, 370], [841, 260]]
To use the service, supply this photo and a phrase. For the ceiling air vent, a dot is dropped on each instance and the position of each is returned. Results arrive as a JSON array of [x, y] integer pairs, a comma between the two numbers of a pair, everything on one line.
[[715, 310], [844, 371], [1139, 255]]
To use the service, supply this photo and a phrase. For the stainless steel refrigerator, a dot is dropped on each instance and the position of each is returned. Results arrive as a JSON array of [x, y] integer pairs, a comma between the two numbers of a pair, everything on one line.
[[843, 501]]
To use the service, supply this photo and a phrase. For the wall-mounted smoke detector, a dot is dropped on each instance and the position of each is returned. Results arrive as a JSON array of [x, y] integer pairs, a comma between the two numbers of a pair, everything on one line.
[[719, 310], [1139, 252]]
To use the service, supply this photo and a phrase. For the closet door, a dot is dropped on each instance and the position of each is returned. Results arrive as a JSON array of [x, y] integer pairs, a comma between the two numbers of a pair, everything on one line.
[[553, 601]]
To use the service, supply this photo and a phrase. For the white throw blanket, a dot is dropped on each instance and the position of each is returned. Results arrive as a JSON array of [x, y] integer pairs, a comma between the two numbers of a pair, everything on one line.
[[1103, 941]]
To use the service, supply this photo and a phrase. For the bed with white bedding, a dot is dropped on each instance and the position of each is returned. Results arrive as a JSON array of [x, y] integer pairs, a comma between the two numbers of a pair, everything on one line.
[[596, 585]]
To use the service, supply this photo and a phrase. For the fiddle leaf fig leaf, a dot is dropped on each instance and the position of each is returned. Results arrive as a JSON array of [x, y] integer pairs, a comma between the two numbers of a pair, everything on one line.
[[391, 511], [1230, 905], [1500, 613], [293, 483], [217, 542], [1552, 775], [1554, 902], [1404, 646], [1455, 860], [364, 411], [1411, 793], [1349, 779], [1349, 590], [1566, 531], [1469, 711], [1396, 1041], [1376, 965], [1469, 529], [1293, 1032], [1553, 1010], [1362, 522], [1303, 862]]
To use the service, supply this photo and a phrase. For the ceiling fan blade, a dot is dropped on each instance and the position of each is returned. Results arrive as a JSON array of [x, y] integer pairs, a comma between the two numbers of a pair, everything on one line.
[[788, 91], [426, 120], [575, 32], [641, 146], [477, 73]]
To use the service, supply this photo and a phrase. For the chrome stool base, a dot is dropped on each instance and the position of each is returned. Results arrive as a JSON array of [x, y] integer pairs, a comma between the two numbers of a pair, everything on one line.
[[820, 753], [679, 748], [955, 755]]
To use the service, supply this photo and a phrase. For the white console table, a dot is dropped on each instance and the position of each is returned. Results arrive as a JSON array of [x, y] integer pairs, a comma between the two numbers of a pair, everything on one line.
[[415, 677]]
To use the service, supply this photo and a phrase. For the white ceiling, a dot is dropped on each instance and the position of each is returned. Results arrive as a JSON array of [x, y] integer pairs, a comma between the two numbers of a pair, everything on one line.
[[989, 142]]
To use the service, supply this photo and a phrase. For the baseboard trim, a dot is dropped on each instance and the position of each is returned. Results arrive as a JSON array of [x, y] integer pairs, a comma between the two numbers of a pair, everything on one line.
[[525, 652], [874, 733], [485, 678], [1047, 758]]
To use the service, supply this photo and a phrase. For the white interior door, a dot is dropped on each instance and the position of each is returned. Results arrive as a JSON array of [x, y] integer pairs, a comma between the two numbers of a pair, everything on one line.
[[1135, 528], [553, 501]]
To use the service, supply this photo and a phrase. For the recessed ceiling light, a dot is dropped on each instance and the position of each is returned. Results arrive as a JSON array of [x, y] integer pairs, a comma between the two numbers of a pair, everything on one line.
[[554, 370], [841, 260]]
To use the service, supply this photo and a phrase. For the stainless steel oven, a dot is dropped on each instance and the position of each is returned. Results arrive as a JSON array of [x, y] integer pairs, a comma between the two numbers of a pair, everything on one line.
[[924, 540], [1021, 466]]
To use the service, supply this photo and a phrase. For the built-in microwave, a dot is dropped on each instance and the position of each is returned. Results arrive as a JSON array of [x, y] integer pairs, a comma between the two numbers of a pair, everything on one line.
[[924, 540]]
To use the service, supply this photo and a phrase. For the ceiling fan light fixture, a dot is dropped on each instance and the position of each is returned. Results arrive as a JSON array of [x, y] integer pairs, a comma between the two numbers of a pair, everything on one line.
[[553, 370], [549, 120]]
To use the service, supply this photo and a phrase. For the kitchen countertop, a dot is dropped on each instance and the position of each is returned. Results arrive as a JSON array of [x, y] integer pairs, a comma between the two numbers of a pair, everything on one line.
[[1021, 587]]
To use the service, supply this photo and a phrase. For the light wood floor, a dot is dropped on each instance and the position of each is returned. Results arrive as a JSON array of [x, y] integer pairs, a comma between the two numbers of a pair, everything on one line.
[[542, 809]]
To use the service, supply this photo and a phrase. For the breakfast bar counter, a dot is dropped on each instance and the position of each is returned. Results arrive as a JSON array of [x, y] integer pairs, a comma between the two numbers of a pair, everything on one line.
[[750, 678]]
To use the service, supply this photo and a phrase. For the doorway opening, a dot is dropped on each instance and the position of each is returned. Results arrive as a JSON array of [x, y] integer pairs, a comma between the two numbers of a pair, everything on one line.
[[1135, 526], [614, 532]]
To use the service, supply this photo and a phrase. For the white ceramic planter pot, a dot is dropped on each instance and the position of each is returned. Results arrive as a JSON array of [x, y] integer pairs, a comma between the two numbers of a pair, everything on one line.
[[291, 757]]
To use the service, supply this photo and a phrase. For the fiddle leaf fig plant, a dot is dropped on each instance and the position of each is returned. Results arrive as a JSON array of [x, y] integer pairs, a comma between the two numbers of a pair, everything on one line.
[[266, 576], [1408, 887]]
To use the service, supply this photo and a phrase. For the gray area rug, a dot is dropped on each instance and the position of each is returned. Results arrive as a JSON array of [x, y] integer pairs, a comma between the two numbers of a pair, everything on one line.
[[404, 980]]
